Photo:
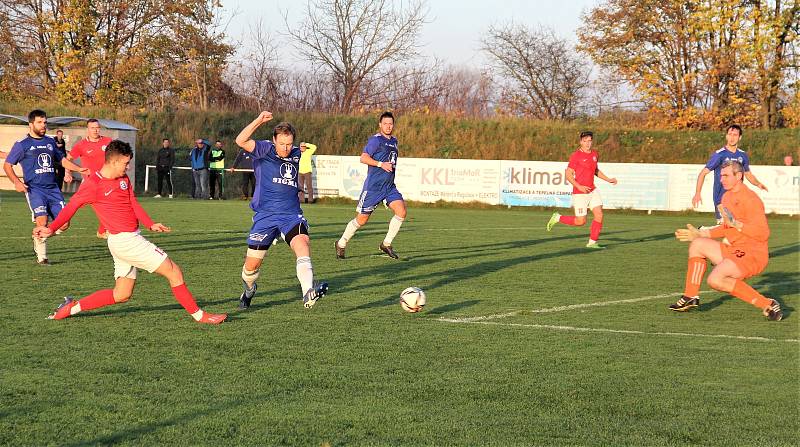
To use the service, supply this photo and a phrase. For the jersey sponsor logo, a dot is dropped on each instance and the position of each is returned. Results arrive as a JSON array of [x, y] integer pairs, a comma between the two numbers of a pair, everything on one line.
[[123, 185], [45, 164], [288, 171]]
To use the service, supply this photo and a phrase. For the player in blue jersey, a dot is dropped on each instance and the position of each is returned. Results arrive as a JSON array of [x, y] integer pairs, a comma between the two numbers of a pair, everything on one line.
[[277, 206], [38, 156], [729, 152], [380, 154]]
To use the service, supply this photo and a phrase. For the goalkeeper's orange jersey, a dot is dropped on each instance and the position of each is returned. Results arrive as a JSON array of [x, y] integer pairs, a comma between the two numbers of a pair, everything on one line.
[[748, 209]]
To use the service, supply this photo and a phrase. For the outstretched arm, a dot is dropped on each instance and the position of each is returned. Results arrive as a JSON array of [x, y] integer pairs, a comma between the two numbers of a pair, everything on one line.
[[752, 179], [696, 200], [602, 176]]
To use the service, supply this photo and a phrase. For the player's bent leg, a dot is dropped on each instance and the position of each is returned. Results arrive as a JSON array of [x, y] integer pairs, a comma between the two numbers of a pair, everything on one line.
[[728, 276], [349, 231], [703, 247], [250, 272], [123, 289]]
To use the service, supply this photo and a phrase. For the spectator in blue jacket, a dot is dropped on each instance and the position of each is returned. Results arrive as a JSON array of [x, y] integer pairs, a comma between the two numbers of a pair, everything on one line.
[[200, 157]]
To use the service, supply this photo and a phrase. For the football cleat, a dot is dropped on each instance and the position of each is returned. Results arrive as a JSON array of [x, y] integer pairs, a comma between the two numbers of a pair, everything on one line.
[[247, 296], [685, 304], [339, 250], [388, 250], [595, 246], [64, 309], [43, 262], [209, 318], [553, 221], [774, 312], [314, 294]]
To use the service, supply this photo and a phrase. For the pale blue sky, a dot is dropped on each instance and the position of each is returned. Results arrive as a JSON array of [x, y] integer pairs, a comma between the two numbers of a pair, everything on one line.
[[455, 28]]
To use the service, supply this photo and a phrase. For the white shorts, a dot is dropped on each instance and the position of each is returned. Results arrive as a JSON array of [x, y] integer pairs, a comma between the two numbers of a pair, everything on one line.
[[132, 250], [585, 202]]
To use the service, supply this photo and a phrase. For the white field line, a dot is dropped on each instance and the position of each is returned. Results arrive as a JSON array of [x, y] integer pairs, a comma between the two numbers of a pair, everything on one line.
[[618, 331], [584, 305]]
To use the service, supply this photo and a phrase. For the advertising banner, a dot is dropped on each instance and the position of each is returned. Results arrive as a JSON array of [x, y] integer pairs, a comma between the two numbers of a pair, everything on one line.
[[639, 186], [431, 180], [539, 183]]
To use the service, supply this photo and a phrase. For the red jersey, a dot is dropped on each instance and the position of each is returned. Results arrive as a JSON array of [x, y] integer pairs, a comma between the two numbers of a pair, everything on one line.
[[585, 166], [113, 202], [92, 154]]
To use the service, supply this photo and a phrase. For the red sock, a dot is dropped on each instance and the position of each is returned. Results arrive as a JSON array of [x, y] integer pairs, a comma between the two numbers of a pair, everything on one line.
[[185, 298], [100, 298], [567, 220], [747, 294], [694, 276], [594, 233]]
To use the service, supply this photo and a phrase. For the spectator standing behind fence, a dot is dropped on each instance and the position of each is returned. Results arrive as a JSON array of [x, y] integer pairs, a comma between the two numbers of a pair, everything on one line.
[[306, 175], [165, 161], [788, 160], [61, 148], [216, 169], [199, 157], [244, 160]]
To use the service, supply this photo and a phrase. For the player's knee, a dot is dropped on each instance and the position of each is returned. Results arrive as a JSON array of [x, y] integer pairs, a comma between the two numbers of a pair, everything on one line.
[[714, 281], [362, 219], [580, 220], [121, 296], [401, 213]]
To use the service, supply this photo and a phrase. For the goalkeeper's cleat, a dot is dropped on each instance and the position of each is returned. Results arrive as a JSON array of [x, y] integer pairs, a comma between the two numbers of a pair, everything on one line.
[[339, 250], [314, 294], [594, 246], [389, 251], [247, 296], [64, 309], [209, 318], [685, 304], [553, 221], [773, 312]]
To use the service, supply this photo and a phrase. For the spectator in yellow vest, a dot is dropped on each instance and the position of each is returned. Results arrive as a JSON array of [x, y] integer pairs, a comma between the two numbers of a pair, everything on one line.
[[306, 181], [216, 169]]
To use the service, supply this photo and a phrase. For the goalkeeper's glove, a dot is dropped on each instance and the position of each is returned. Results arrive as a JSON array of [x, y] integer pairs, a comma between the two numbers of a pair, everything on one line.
[[687, 235]]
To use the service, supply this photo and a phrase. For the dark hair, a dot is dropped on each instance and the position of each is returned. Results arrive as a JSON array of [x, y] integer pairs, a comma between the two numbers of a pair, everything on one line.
[[36, 114], [92, 120], [165, 139], [386, 114], [586, 133], [118, 147], [735, 126], [218, 141], [59, 130], [284, 128]]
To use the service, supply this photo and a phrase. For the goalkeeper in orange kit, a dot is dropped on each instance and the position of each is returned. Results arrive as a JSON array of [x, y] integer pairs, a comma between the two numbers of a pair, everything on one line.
[[743, 253]]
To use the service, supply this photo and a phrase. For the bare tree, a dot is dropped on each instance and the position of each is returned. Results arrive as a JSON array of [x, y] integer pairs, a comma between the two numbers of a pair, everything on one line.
[[544, 73], [356, 39]]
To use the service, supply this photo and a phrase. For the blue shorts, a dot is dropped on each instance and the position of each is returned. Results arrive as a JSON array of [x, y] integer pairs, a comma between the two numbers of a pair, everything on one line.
[[369, 200], [267, 227], [44, 201]]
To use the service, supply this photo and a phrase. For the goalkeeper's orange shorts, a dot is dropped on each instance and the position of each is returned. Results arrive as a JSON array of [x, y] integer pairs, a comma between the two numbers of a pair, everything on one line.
[[750, 262]]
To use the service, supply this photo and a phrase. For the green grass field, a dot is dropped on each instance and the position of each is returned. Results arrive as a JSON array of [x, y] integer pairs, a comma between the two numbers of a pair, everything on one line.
[[357, 370]]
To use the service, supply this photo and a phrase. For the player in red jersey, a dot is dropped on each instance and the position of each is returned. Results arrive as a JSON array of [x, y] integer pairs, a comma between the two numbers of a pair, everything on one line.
[[92, 154], [110, 192], [743, 253], [581, 170]]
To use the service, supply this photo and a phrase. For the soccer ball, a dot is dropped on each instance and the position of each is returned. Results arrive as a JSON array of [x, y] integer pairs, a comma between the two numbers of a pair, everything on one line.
[[412, 299]]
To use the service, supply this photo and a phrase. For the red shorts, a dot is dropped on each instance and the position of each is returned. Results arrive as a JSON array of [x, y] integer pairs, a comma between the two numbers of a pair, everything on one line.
[[749, 263]]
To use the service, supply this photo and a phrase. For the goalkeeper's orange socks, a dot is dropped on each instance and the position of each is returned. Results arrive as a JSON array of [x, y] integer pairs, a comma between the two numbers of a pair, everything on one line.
[[694, 276], [747, 294]]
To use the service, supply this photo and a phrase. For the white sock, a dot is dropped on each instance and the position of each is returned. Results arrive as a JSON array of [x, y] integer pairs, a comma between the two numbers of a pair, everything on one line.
[[250, 277], [75, 309], [40, 247], [351, 229], [305, 273], [198, 315], [394, 228]]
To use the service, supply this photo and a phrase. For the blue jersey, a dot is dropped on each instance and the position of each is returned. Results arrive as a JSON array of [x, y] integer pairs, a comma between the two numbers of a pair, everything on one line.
[[38, 157], [384, 150], [715, 163], [276, 180]]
